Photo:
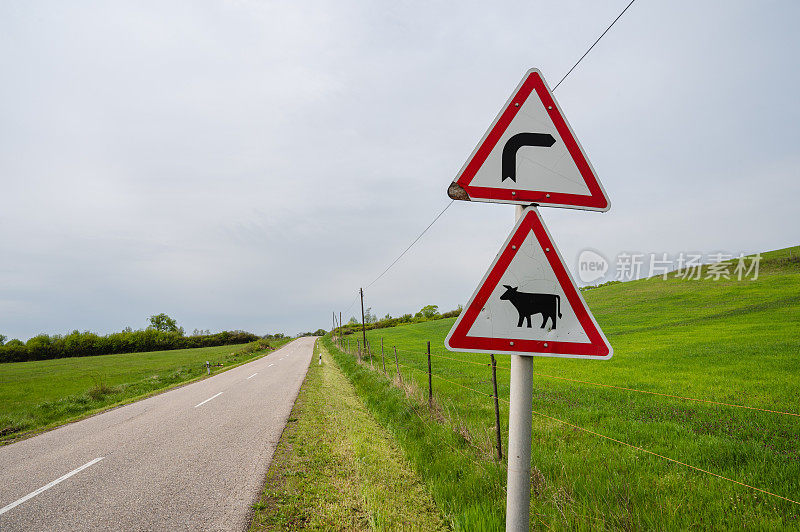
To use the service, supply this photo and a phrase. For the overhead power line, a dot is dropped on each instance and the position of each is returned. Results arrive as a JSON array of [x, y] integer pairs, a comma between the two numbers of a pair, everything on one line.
[[411, 244], [451, 201], [593, 44]]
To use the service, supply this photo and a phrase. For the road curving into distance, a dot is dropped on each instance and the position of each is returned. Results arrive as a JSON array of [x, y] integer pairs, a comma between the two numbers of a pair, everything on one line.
[[193, 458]]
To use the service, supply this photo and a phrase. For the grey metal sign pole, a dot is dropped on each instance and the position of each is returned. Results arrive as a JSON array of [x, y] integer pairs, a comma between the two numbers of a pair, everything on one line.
[[520, 412]]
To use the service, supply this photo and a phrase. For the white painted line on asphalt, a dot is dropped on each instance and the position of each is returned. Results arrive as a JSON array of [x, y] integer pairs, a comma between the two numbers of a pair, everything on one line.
[[48, 486], [253, 375], [270, 365], [207, 400]]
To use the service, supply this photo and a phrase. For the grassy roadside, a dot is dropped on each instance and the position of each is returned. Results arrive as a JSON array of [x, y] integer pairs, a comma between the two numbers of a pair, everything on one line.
[[40, 395], [466, 482], [336, 468], [729, 341]]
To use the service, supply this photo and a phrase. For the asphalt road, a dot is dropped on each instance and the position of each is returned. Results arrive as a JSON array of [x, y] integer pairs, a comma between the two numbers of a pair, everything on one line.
[[194, 458]]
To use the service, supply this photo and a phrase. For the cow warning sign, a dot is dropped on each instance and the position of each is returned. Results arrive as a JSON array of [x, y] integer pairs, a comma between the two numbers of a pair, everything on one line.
[[530, 155], [528, 304]]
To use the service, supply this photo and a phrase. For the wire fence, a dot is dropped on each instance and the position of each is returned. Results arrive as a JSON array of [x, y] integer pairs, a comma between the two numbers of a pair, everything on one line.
[[366, 356]]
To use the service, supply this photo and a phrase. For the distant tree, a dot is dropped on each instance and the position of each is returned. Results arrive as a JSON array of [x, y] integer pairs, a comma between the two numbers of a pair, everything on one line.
[[388, 316], [162, 322], [320, 332], [369, 317], [428, 311], [3, 339], [354, 320]]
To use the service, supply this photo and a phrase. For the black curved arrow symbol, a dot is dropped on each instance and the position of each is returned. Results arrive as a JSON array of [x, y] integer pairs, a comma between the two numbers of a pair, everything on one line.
[[545, 140]]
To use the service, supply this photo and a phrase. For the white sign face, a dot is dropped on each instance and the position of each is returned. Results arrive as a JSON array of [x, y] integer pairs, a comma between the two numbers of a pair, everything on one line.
[[529, 273], [527, 303], [530, 155], [535, 167]]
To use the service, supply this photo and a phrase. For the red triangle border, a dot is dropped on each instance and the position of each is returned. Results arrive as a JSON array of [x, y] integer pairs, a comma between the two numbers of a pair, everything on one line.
[[457, 339], [533, 82]]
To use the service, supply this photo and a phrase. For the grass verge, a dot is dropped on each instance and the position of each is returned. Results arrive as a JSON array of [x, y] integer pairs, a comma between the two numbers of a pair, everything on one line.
[[468, 486], [336, 468], [39, 395], [728, 341]]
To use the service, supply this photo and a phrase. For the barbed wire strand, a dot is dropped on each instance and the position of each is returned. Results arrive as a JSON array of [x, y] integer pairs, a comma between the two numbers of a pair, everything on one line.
[[710, 401], [624, 388], [465, 361], [660, 455], [446, 380], [636, 447], [457, 360]]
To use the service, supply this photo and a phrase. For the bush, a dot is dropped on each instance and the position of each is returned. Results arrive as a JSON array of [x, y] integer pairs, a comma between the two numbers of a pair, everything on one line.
[[388, 321], [79, 344]]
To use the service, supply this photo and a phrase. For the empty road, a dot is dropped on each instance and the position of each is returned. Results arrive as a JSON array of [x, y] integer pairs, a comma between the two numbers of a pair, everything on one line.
[[193, 458]]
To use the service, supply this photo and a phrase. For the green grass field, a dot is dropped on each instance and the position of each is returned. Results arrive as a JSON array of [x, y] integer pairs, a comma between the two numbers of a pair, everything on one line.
[[38, 394], [336, 468], [729, 341]]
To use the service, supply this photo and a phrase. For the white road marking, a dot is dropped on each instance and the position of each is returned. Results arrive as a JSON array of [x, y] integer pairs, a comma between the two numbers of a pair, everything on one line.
[[48, 486], [253, 375], [207, 400], [270, 365]]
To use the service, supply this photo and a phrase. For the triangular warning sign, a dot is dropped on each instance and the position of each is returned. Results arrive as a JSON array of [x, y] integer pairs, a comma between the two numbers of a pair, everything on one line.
[[528, 304], [530, 155]]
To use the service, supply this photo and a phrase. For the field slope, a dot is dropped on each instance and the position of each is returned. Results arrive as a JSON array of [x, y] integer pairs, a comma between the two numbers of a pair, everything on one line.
[[727, 341]]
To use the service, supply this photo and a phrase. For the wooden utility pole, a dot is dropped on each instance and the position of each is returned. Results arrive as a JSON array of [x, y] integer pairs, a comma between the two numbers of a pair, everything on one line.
[[363, 328]]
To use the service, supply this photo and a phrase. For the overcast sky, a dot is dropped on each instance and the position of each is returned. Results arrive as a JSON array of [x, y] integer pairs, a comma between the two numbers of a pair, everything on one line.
[[248, 165]]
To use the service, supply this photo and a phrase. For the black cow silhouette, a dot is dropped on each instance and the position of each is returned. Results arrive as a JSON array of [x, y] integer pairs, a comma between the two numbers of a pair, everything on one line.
[[528, 304]]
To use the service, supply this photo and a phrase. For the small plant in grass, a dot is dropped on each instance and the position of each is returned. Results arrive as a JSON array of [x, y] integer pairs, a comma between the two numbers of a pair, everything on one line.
[[100, 388]]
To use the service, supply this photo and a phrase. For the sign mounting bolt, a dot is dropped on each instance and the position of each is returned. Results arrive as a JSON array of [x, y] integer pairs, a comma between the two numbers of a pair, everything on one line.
[[547, 195], [547, 249], [545, 344], [550, 107], [516, 104], [510, 343]]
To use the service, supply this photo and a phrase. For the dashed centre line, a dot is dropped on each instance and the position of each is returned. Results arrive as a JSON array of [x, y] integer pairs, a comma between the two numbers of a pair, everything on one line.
[[48, 486], [207, 400], [253, 375]]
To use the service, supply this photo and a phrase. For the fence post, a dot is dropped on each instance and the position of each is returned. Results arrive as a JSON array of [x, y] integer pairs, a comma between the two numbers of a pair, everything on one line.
[[497, 410], [430, 383], [383, 357], [358, 349], [397, 363], [363, 328], [369, 350]]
